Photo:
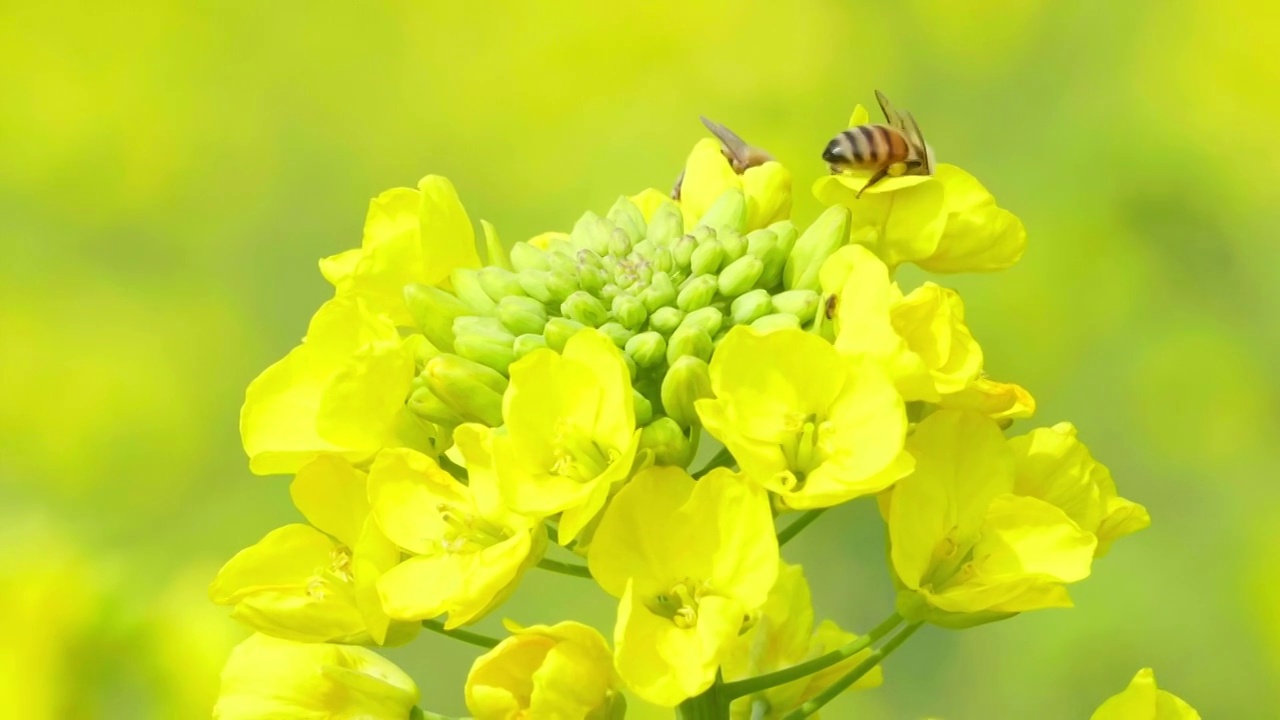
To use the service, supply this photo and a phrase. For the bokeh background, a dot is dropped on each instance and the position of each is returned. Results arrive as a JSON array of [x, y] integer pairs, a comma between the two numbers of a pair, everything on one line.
[[170, 172]]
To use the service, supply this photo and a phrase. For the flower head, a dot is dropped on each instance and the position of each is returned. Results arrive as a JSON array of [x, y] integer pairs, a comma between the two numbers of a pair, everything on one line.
[[690, 562], [803, 421], [469, 550], [1142, 700], [765, 188], [317, 583], [267, 678], [559, 671]]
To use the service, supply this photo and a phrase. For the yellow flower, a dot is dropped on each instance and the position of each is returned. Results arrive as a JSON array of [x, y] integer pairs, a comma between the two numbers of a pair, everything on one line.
[[410, 236], [1000, 401], [570, 431], [270, 679], [469, 551], [689, 561], [1053, 465], [803, 421], [708, 175], [341, 391], [558, 671], [964, 548], [317, 583], [947, 223], [1142, 700], [784, 636]]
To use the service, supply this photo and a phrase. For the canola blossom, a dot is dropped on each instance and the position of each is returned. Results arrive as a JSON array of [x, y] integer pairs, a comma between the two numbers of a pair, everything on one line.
[[654, 399]]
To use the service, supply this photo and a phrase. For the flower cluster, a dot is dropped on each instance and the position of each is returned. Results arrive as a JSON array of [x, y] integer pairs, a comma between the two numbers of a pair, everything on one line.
[[451, 424]]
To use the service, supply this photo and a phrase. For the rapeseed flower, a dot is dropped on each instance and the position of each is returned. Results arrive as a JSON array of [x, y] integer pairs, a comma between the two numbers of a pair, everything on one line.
[[1142, 700]]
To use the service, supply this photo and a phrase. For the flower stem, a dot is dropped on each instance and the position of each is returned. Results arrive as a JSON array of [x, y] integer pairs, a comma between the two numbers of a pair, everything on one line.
[[710, 705], [800, 523], [565, 568], [465, 636], [795, 672], [724, 458], [852, 676]]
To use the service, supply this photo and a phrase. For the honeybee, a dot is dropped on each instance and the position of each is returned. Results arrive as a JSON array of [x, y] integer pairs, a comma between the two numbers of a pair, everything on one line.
[[740, 155], [895, 149]]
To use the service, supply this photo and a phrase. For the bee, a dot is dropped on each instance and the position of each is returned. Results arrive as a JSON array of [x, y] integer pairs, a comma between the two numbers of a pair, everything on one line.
[[895, 149], [740, 155]]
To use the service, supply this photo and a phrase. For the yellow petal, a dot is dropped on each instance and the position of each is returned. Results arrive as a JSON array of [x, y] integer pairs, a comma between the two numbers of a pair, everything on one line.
[[632, 541], [332, 495], [906, 213], [636, 637], [1142, 700], [448, 238], [359, 405], [338, 269], [286, 557], [979, 236], [406, 492], [648, 201], [768, 191], [931, 320], [707, 175], [420, 588], [727, 524]]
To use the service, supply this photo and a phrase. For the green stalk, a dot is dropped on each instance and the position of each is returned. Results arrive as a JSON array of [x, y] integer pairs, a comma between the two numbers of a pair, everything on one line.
[[852, 676], [465, 636], [565, 568], [724, 458], [805, 669], [800, 523]]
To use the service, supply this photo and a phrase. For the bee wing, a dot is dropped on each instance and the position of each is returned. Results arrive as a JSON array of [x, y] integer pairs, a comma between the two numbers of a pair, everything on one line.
[[913, 132], [734, 144], [890, 114]]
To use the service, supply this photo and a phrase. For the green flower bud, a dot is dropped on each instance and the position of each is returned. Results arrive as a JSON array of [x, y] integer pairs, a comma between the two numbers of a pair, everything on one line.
[[421, 348], [433, 311], [466, 285], [592, 232], [735, 246], [666, 319], [689, 340], [643, 250], [561, 285], [662, 260], [688, 381], [585, 308], [761, 242], [697, 292], [682, 251], [469, 389], [527, 257], [827, 234], [628, 218], [666, 224], [526, 344], [484, 340], [728, 211], [648, 349], [668, 443], [629, 311], [706, 258], [740, 275], [566, 263], [586, 258], [618, 334], [750, 307], [708, 318], [609, 292], [534, 284], [660, 293], [765, 244], [522, 315], [801, 303], [619, 243], [631, 367], [592, 279], [786, 232], [477, 325], [702, 233], [494, 250], [427, 406], [644, 408], [644, 273], [499, 283], [559, 330], [776, 321]]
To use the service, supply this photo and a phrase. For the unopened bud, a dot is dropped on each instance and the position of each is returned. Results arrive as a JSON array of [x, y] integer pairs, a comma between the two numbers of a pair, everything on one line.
[[801, 303], [496, 253], [706, 259], [615, 332], [632, 370], [814, 246], [682, 252], [628, 218], [592, 232], [484, 340], [764, 244], [665, 225], [644, 408], [433, 311], [592, 279], [466, 285], [527, 257], [734, 244], [689, 340], [648, 349], [534, 284], [427, 406], [563, 262], [522, 315], [619, 243], [750, 307], [499, 283], [526, 344], [740, 275], [687, 381], [666, 319], [629, 311], [728, 211], [666, 440], [660, 293], [662, 260], [421, 348], [470, 389], [559, 330], [609, 292], [697, 292], [585, 308], [561, 285], [776, 321], [710, 319]]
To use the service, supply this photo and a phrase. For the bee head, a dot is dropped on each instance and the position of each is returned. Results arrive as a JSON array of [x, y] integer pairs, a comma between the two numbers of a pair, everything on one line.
[[834, 151]]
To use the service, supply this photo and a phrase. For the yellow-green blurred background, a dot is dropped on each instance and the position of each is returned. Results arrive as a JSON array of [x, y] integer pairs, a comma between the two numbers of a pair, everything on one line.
[[170, 172]]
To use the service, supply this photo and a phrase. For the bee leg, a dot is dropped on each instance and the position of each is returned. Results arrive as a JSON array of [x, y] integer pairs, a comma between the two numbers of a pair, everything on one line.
[[880, 175]]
